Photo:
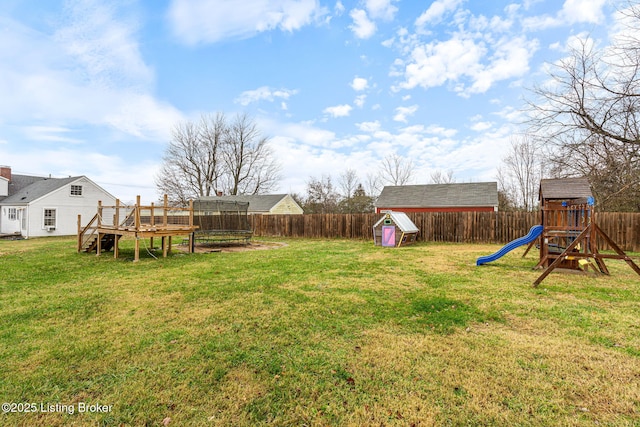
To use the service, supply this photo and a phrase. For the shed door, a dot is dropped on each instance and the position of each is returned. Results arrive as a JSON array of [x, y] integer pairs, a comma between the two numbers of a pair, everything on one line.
[[388, 235]]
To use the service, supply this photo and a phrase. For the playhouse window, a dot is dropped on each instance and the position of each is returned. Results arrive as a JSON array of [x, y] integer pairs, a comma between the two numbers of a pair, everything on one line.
[[76, 190], [49, 218]]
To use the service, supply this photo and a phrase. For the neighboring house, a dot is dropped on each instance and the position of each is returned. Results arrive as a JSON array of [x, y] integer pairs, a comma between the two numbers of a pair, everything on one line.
[[35, 206], [457, 197], [267, 204]]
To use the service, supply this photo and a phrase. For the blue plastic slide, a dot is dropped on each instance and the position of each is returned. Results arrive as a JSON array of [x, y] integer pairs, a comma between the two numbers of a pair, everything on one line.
[[533, 234]]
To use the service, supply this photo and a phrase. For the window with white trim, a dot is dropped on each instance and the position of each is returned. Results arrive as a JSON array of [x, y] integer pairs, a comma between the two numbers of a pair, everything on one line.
[[76, 190], [13, 214], [49, 218]]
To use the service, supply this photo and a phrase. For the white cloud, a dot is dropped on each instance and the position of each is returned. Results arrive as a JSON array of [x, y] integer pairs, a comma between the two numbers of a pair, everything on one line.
[[264, 93], [381, 9], [432, 64], [89, 72], [369, 126], [359, 83], [481, 126], [360, 100], [362, 27], [510, 59], [50, 134], [403, 112], [102, 41], [481, 52], [210, 21], [338, 110], [572, 12], [436, 11]]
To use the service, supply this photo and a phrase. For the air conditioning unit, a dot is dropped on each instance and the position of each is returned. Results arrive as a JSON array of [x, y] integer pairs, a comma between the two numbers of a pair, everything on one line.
[[50, 228]]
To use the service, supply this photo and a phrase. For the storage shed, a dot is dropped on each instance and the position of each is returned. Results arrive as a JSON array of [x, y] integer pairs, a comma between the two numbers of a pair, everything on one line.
[[394, 229], [455, 197]]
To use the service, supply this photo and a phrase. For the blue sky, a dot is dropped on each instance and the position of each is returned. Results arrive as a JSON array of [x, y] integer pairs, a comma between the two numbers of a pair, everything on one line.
[[92, 87]]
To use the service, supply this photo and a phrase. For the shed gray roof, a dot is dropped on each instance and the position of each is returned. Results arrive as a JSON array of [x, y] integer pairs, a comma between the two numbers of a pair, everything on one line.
[[439, 195], [565, 188], [257, 203], [24, 189]]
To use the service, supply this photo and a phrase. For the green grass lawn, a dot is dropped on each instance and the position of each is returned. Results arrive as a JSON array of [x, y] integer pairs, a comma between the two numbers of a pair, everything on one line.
[[317, 332]]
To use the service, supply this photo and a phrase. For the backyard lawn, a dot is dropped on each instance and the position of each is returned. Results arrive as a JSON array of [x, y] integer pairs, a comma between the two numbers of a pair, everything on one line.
[[313, 333]]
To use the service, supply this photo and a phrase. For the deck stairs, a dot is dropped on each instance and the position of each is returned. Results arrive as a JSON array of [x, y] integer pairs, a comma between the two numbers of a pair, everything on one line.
[[106, 243]]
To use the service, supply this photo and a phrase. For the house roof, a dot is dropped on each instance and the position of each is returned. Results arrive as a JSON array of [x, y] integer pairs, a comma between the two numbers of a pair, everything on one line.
[[24, 189], [257, 203], [439, 195], [565, 188], [402, 221]]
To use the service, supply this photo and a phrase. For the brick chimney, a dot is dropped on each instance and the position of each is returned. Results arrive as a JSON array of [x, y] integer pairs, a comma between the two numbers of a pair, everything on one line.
[[5, 172]]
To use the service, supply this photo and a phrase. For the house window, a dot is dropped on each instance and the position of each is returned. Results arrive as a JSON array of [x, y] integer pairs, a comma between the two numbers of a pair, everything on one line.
[[49, 218], [13, 215], [76, 190]]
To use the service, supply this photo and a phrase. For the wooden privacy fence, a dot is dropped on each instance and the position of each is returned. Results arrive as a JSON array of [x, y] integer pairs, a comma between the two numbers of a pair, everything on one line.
[[461, 227]]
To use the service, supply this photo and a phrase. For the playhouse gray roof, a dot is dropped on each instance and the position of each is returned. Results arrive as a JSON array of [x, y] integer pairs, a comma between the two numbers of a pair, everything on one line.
[[24, 189], [257, 203], [565, 188], [402, 221], [439, 195]]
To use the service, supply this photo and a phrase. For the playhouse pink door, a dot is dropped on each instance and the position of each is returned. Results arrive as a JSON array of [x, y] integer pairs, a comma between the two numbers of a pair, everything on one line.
[[388, 235]]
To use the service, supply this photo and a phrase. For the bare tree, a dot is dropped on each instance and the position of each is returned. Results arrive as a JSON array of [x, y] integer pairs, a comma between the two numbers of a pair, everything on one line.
[[208, 157], [520, 174], [191, 163], [348, 182], [439, 177], [321, 196], [589, 114], [396, 170], [248, 159]]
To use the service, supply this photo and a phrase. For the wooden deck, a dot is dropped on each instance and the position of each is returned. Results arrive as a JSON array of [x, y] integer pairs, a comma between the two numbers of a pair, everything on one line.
[[104, 231]]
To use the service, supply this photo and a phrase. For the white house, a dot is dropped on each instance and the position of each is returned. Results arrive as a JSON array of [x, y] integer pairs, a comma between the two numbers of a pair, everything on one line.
[[266, 203], [34, 206]]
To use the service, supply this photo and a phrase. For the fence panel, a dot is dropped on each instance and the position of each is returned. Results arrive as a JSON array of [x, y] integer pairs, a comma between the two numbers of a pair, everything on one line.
[[463, 227]]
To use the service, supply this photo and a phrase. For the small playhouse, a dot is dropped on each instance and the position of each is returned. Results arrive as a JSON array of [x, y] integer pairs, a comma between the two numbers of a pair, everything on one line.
[[394, 229]]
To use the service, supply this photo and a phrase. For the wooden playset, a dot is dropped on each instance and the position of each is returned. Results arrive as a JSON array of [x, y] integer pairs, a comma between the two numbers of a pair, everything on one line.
[[570, 237]]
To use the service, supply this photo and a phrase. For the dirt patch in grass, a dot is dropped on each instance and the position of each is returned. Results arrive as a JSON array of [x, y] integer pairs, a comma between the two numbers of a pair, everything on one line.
[[231, 247]]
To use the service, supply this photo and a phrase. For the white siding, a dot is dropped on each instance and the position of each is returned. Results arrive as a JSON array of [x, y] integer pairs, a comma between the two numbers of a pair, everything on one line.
[[286, 206], [67, 209], [10, 219], [4, 186]]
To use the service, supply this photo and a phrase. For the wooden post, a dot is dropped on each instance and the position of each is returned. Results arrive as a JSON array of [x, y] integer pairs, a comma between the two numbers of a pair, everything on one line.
[[116, 225], [99, 242], [136, 256], [166, 207], [192, 234], [153, 222], [137, 214], [79, 236], [116, 216]]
